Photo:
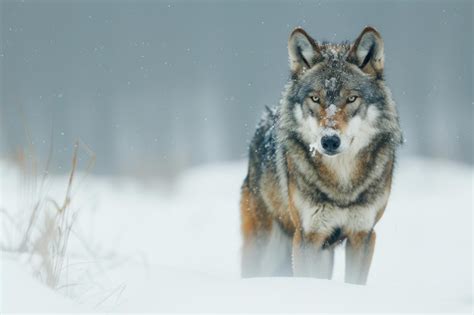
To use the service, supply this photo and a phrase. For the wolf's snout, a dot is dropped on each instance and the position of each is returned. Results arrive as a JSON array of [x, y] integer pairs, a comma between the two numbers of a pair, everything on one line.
[[330, 143]]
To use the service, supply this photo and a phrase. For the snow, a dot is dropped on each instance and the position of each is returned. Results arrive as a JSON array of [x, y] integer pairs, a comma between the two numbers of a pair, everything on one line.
[[174, 245], [22, 293], [331, 111], [313, 148]]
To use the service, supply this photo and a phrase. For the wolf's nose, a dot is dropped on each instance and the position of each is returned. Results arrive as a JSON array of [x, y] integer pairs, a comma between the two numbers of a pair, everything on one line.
[[330, 143]]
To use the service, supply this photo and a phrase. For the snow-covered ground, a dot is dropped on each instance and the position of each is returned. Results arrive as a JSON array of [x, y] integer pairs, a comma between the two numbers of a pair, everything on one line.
[[174, 246]]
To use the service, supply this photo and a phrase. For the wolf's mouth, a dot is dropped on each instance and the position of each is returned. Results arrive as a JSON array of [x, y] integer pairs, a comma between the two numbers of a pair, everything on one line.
[[331, 153]]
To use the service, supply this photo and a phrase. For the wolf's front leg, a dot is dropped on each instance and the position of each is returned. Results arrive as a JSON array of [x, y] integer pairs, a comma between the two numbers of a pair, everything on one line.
[[359, 252], [310, 259], [268, 255]]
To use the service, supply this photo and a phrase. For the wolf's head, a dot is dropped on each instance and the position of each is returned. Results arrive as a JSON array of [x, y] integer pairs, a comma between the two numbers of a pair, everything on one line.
[[336, 100]]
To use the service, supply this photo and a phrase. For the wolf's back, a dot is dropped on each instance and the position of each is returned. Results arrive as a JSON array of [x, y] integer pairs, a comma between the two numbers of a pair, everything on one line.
[[262, 149]]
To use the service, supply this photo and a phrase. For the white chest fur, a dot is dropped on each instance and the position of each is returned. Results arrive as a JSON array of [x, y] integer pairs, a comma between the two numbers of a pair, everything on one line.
[[325, 218]]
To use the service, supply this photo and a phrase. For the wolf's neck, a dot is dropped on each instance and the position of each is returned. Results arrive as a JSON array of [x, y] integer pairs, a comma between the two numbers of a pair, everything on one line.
[[343, 166]]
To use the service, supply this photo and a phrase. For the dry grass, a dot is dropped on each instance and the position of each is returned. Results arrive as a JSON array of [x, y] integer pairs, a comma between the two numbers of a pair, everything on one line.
[[39, 224], [46, 226]]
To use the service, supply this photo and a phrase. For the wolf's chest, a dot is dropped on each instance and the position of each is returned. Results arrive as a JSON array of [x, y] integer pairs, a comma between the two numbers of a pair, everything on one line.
[[324, 218]]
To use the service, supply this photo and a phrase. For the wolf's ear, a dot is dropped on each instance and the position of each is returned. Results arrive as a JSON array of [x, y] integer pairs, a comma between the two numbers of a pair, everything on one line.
[[302, 50], [367, 52]]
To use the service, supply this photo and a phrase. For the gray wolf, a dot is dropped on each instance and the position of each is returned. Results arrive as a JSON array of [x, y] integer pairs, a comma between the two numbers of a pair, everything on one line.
[[321, 163]]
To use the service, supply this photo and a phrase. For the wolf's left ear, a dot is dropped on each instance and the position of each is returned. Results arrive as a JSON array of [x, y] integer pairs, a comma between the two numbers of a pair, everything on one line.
[[303, 51], [367, 52]]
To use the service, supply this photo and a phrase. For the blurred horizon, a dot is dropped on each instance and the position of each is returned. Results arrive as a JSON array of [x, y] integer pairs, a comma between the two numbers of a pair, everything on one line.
[[156, 87]]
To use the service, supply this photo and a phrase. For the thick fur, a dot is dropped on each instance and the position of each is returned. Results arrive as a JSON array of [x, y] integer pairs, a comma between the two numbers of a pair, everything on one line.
[[297, 200]]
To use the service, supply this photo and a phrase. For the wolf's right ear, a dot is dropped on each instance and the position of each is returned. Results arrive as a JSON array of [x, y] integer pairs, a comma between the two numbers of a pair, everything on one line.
[[367, 52], [303, 51]]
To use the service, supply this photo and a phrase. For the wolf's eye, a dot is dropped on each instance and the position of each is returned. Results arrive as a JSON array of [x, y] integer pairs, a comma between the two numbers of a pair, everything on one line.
[[351, 99], [315, 99]]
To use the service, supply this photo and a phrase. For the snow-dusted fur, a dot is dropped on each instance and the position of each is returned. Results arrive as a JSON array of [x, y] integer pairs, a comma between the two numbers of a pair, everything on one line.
[[319, 196]]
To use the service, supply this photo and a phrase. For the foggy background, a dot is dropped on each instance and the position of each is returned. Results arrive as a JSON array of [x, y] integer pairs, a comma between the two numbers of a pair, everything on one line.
[[154, 87]]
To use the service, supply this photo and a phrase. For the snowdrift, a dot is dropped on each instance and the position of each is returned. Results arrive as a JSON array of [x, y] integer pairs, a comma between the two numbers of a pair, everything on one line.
[[174, 246]]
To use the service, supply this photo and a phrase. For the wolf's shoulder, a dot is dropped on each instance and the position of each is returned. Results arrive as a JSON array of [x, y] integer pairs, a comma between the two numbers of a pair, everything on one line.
[[264, 139], [265, 130], [269, 118]]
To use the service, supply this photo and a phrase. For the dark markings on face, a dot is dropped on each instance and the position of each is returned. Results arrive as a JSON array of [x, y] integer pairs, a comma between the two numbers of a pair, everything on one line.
[[333, 78]]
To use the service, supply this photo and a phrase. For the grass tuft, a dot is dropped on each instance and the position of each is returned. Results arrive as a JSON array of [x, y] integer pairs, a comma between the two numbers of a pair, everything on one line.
[[45, 229]]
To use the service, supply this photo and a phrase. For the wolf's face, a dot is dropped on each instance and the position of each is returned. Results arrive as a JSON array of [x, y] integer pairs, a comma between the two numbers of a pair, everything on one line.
[[336, 96]]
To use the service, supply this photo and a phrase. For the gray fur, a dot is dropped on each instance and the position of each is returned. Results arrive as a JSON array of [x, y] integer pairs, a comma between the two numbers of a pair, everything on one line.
[[277, 139]]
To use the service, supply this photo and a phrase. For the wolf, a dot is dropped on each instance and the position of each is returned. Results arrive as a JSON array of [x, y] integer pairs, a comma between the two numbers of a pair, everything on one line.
[[321, 162]]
